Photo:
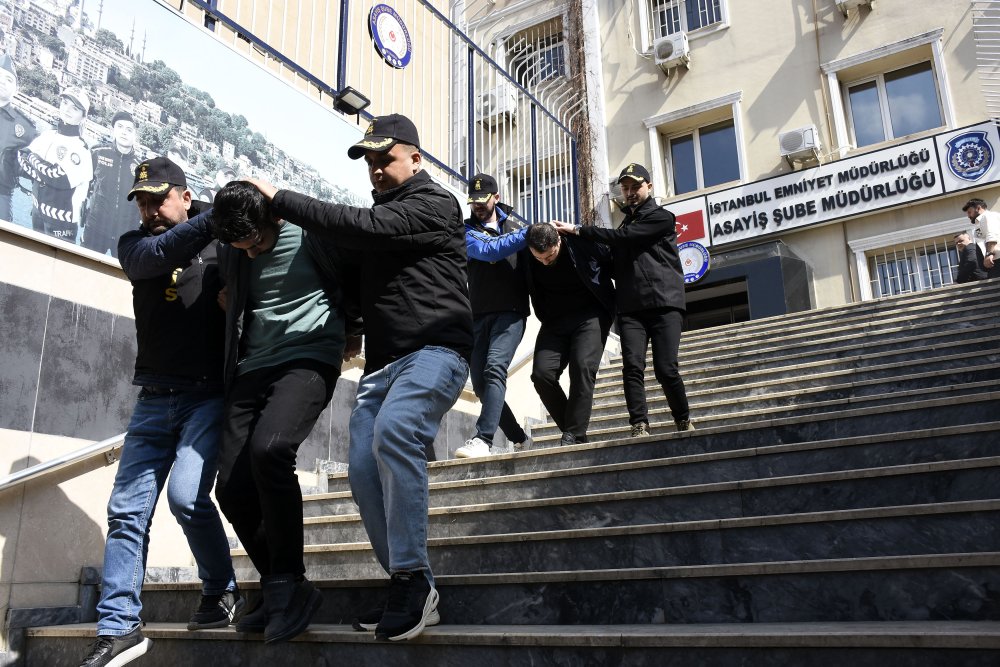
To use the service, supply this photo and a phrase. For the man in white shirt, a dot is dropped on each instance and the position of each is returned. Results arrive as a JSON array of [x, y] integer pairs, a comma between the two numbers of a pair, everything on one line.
[[986, 232]]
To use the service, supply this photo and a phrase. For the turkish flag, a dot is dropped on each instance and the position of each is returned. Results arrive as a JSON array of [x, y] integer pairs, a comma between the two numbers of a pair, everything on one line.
[[690, 226]]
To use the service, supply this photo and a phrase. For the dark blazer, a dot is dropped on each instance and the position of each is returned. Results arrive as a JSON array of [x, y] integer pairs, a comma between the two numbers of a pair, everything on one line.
[[970, 264], [409, 249], [648, 270], [592, 262]]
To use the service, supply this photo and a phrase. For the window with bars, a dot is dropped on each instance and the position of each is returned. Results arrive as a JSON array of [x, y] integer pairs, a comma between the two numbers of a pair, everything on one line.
[[540, 59], [555, 202], [666, 17], [912, 268]]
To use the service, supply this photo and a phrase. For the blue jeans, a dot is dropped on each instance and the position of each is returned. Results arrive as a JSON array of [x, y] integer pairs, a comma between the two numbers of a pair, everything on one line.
[[495, 339], [176, 433], [398, 411]]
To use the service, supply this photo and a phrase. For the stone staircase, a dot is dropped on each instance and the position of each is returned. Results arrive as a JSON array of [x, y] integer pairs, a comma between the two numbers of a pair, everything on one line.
[[839, 502]]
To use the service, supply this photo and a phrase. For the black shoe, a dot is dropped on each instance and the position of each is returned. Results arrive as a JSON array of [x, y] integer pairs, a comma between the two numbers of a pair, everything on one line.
[[218, 611], [255, 620], [411, 601], [116, 651], [640, 429], [289, 605], [567, 439], [369, 620]]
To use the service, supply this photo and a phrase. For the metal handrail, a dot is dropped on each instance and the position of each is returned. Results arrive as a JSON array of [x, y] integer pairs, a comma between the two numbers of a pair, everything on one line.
[[48, 467]]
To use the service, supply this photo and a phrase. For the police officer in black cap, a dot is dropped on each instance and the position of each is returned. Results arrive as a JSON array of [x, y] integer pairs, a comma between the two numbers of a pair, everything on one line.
[[16, 132]]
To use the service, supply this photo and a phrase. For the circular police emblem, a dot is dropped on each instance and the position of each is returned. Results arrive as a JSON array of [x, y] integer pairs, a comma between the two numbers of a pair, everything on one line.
[[695, 260], [390, 36], [74, 158], [18, 130], [970, 155]]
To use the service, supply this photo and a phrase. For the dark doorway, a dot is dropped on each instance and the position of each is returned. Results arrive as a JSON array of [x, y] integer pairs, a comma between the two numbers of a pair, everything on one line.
[[717, 305]]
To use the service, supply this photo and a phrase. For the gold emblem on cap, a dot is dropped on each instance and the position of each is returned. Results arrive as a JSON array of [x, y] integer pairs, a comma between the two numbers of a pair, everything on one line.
[[375, 144], [631, 168], [143, 173], [371, 126], [478, 185]]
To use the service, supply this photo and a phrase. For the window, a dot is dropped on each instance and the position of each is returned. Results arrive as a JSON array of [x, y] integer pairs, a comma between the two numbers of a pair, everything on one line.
[[894, 104], [706, 157], [538, 59], [555, 189], [911, 260], [665, 17], [697, 147], [889, 92]]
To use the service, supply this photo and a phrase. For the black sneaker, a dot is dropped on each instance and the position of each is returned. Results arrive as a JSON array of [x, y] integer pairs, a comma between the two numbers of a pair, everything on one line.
[[684, 425], [255, 620], [411, 601], [116, 651], [218, 611], [368, 620]]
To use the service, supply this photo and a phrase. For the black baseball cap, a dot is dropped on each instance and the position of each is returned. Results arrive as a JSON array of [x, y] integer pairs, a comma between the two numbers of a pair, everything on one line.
[[156, 176], [636, 172], [481, 188], [383, 133]]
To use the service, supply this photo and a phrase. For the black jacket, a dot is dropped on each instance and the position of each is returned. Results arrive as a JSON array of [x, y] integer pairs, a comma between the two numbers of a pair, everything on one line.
[[499, 286], [970, 264], [235, 265], [648, 270], [410, 252], [178, 323], [592, 262], [108, 213]]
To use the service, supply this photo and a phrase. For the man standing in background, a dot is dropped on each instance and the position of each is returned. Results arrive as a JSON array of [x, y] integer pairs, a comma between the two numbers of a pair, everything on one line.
[[498, 291]]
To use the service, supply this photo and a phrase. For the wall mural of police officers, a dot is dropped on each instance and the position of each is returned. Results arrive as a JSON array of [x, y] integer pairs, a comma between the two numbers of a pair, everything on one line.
[[107, 214], [16, 132], [59, 164]]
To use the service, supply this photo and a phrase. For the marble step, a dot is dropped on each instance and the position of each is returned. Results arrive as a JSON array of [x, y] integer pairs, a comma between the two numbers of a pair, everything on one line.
[[940, 301], [975, 334], [908, 333], [909, 375], [942, 482], [853, 427], [967, 527], [874, 644], [574, 497], [604, 426], [891, 588], [861, 366]]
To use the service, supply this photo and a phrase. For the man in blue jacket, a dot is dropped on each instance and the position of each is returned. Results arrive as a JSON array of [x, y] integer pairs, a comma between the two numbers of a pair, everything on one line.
[[571, 291], [498, 290], [177, 421], [650, 290]]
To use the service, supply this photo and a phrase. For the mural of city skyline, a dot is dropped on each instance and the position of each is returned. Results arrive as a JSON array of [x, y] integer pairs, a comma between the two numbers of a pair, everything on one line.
[[141, 95]]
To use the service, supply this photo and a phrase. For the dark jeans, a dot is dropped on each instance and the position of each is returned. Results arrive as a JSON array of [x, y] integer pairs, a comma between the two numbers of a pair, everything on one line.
[[662, 326], [579, 344], [269, 412], [495, 339]]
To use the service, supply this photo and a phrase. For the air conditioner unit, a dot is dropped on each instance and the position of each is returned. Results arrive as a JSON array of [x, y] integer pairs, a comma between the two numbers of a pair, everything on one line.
[[800, 144], [497, 105], [671, 51], [846, 5]]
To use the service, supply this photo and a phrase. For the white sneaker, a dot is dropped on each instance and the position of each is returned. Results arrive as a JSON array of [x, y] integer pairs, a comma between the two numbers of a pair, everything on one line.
[[522, 446], [474, 447]]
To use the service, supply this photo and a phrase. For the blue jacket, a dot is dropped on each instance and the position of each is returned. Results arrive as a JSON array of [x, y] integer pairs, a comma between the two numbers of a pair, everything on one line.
[[497, 265]]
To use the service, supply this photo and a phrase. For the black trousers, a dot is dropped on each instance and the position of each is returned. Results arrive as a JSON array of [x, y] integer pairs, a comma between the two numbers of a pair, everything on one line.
[[578, 344], [662, 326], [269, 413]]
